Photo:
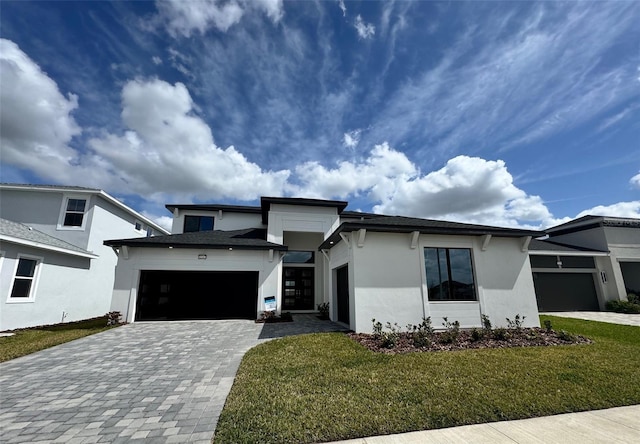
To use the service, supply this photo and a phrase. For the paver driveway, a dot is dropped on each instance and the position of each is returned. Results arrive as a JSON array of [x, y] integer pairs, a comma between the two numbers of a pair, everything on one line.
[[145, 382]]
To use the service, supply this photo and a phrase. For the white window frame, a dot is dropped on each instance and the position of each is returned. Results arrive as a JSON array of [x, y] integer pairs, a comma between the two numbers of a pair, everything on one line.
[[63, 212], [142, 227], [34, 280]]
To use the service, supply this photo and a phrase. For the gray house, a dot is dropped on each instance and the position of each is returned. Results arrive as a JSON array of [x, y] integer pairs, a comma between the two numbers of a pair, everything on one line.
[[586, 262], [53, 265]]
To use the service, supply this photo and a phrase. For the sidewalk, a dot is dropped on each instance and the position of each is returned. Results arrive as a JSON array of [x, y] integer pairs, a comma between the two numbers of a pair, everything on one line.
[[616, 425]]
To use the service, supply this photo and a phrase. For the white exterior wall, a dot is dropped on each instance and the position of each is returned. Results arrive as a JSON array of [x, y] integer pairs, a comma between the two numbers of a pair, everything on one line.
[[80, 287], [223, 220], [505, 282], [63, 285], [301, 219], [387, 281], [186, 259]]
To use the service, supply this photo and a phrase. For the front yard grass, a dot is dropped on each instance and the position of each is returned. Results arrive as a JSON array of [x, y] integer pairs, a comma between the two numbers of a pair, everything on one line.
[[326, 387], [31, 340]]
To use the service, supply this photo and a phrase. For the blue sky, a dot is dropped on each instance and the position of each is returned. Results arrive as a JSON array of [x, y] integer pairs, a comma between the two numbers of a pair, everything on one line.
[[503, 113]]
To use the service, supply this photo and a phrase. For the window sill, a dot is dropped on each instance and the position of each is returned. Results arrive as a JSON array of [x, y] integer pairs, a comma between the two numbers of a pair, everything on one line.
[[20, 300]]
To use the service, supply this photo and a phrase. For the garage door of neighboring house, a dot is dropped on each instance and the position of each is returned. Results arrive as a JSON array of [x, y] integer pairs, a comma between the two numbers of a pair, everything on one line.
[[342, 297], [181, 295], [565, 291]]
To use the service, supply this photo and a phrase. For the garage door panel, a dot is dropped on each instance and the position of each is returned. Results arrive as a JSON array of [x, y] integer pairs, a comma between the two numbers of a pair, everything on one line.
[[565, 292], [175, 295]]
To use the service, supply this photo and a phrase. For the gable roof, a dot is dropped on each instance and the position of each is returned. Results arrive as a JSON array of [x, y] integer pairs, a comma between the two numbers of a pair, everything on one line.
[[400, 224], [84, 190], [247, 239], [21, 234]]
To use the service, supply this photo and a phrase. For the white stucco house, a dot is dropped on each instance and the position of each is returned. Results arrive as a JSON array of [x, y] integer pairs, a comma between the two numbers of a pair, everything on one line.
[[53, 264], [223, 261], [586, 262]]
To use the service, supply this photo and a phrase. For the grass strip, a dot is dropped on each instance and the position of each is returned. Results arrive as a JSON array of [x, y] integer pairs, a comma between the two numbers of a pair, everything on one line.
[[325, 387], [31, 340]]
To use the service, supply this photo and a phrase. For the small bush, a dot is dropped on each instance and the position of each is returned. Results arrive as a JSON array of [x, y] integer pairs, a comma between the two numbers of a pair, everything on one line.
[[377, 328], [422, 333], [633, 298], [486, 323], [500, 334], [547, 325], [517, 322], [324, 310], [114, 318], [623, 307], [390, 338], [451, 333], [476, 334], [566, 336]]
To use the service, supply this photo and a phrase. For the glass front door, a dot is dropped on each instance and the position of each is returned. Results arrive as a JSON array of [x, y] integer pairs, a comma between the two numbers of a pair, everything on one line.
[[298, 288]]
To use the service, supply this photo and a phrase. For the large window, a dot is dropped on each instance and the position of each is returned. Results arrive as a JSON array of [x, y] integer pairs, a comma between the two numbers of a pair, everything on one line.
[[198, 223], [449, 274], [24, 280], [74, 213]]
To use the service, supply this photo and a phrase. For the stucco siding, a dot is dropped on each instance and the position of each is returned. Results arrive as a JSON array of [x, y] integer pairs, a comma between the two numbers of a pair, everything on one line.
[[387, 280], [64, 285], [505, 282]]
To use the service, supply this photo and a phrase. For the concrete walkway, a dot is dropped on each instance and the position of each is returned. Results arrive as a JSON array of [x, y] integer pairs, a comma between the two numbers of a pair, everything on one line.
[[160, 382], [601, 316], [617, 425]]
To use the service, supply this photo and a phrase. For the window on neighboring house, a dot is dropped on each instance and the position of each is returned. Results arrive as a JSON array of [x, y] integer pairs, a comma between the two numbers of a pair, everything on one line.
[[149, 231], [23, 282], [198, 223], [74, 213], [298, 257], [138, 226], [449, 274]]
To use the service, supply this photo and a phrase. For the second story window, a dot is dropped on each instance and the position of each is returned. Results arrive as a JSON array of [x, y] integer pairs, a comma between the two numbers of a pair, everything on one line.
[[74, 213], [198, 223]]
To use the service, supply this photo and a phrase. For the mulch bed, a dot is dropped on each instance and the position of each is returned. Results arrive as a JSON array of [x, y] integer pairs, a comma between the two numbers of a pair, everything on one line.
[[525, 337]]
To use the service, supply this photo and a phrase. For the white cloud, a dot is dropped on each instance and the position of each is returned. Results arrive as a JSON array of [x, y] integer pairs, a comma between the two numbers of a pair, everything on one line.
[[374, 175], [620, 209], [186, 17], [468, 189], [168, 150], [635, 181], [342, 7], [156, 60], [36, 122], [365, 30], [351, 139], [165, 222]]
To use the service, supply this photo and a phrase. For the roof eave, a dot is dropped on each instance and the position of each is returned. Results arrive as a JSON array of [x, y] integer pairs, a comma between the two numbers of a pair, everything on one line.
[[41, 246]]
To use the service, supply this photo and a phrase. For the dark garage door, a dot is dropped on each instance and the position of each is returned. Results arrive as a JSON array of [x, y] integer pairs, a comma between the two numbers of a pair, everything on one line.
[[565, 292], [175, 295]]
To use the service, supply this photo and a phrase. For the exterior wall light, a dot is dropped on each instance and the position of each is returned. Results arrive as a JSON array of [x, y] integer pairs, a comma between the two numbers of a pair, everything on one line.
[[202, 256]]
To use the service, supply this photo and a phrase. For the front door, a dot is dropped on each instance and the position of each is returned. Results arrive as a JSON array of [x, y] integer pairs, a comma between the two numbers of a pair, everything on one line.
[[298, 288], [342, 288]]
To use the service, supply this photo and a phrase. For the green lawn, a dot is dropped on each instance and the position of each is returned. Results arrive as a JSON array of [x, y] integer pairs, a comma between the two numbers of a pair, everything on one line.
[[325, 387], [32, 340]]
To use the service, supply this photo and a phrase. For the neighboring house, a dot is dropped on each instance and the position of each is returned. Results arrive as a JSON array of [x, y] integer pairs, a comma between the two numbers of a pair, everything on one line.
[[586, 262], [53, 264], [223, 261]]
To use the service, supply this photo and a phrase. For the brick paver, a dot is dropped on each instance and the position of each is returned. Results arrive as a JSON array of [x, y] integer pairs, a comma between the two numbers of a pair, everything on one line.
[[155, 382]]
